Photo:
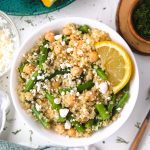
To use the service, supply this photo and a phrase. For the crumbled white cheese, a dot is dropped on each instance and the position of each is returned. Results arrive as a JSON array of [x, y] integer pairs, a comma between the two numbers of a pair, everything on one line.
[[70, 49], [103, 87], [75, 44], [57, 101], [88, 41], [38, 85], [77, 94], [39, 71], [46, 46], [57, 37], [38, 107], [67, 125], [63, 43], [35, 54], [118, 109], [80, 52], [33, 91], [63, 93], [33, 78], [64, 65], [63, 112], [45, 87], [40, 77]]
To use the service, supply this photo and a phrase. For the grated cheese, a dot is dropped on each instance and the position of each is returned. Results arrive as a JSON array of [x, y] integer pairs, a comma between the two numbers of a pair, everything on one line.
[[6, 45]]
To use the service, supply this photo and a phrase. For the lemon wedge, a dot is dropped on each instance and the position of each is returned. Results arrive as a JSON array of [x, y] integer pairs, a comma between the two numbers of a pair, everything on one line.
[[117, 63], [48, 3]]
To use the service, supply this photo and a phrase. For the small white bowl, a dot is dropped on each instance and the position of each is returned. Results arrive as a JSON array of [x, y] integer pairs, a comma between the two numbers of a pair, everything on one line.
[[15, 34], [50, 135]]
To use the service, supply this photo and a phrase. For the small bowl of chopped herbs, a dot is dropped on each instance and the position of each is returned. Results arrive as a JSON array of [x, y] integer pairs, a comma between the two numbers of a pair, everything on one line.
[[139, 20]]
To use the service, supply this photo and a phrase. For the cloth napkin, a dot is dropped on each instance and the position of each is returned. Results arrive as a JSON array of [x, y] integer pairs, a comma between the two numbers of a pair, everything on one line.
[[4, 145]]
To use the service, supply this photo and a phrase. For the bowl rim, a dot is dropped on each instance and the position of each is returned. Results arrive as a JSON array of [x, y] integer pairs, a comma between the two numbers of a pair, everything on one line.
[[131, 26], [80, 141]]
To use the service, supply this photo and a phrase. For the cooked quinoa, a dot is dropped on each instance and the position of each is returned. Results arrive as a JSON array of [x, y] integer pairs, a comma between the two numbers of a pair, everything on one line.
[[63, 85]]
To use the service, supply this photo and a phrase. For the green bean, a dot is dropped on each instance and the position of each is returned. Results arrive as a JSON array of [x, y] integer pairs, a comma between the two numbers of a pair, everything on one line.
[[89, 124], [43, 55], [85, 86], [40, 118], [104, 114], [30, 84], [79, 127], [112, 103], [20, 68], [61, 119], [100, 73], [84, 28], [65, 39], [65, 90], [51, 98], [58, 72], [122, 101]]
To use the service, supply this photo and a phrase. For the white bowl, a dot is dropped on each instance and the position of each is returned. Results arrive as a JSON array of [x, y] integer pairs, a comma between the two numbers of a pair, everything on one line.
[[50, 135], [15, 33]]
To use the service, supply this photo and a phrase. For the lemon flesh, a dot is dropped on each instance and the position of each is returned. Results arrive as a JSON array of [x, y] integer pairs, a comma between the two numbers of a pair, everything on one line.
[[48, 3], [117, 63]]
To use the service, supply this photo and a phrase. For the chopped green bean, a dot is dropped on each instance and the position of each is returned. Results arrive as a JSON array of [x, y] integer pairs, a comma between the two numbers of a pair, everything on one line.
[[112, 103], [79, 127], [61, 119], [104, 114], [122, 101], [43, 55], [20, 68], [100, 73], [85, 86], [30, 84], [89, 124], [58, 72], [51, 98], [40, 118], [65, 90], [65, 39], [84, 28]]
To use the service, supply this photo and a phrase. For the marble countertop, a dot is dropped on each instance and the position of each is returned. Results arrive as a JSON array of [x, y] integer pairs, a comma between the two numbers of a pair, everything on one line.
[[17, 131]]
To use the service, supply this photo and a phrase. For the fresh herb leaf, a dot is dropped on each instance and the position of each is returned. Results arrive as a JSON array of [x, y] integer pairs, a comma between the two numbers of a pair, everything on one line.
[[121, 140], [16, 132]]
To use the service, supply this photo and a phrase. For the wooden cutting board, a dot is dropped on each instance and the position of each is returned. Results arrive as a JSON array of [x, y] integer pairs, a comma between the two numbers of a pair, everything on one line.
[[122, 23]]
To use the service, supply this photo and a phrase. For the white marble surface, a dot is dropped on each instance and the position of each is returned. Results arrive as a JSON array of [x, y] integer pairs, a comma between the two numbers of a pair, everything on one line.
[[104, 11]]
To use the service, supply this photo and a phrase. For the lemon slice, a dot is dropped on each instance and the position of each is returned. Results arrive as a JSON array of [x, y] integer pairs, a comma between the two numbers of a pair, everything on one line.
[[117, 63], [48, 3]]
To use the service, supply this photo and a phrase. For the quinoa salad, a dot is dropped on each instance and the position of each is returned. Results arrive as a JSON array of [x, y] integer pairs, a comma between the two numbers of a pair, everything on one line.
[[63, 85]]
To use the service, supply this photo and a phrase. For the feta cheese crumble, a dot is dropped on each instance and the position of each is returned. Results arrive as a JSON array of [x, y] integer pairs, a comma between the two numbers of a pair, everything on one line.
[[57, 101], [70, 49], [38, 107], [57, 37], [63, 112], [67, 125], [103, 87]]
